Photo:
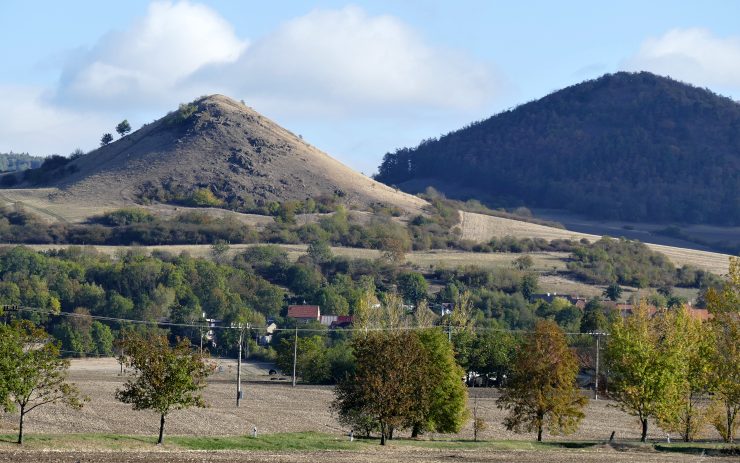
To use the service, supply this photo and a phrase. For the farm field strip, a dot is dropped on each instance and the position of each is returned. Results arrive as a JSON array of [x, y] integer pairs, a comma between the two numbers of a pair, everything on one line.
[[481, 228], [295, 425]]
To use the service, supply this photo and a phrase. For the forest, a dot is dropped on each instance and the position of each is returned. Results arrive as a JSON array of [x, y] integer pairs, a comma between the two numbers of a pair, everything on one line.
[[627, 146], [10, 162]]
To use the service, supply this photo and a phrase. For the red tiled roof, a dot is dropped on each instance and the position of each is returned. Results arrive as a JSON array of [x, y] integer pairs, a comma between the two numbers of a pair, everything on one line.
[[304, 311]]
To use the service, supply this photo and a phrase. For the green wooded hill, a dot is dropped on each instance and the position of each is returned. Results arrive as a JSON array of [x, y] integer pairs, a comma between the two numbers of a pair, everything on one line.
[[630, 146], [19, 161]]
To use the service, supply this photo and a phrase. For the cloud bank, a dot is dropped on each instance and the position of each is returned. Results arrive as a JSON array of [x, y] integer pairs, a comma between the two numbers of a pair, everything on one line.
[[344, 61], [693, 55], [146, 63]]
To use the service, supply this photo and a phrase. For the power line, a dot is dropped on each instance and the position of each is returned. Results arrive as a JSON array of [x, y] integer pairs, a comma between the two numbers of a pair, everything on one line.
[[302, 330]]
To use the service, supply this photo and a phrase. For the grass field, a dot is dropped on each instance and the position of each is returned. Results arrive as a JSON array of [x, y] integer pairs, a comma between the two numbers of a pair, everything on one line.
[[479, 227], [295, 425]]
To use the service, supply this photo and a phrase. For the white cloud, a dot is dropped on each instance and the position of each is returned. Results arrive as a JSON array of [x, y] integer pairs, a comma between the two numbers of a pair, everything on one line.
[[349, 61], [368, 69], [328, 61], [693, 55], [147, 62], [27, 123]]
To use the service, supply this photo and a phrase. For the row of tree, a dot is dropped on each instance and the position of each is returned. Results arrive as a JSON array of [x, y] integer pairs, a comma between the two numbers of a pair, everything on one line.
[[33, 374], [122, 128]]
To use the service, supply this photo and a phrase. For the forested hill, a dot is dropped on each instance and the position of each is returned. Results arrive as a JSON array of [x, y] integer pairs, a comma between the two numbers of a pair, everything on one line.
[[631, 146], [10, 162]]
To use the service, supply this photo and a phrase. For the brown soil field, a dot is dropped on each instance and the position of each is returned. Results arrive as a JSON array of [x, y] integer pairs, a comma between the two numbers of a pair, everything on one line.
[[389, 454], [276, 407]]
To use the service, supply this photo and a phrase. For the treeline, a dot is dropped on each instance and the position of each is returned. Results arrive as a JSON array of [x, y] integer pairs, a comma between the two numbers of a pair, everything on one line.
[[632, 263], [634, 147], [45, 170], [10, 162], [135, 226], [67, 288], [674, 362]]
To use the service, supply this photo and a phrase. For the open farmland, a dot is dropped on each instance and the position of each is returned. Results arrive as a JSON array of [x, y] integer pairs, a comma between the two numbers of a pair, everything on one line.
[[480, 228], [275, 407]]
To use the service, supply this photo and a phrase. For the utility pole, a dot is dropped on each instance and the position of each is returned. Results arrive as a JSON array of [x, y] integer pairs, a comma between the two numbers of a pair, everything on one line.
[[596, 379], [295, 353], [200, 330], [239, 369]]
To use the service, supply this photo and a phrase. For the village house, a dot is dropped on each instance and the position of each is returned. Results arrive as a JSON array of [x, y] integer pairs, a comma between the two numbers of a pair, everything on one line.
[[304, 313]]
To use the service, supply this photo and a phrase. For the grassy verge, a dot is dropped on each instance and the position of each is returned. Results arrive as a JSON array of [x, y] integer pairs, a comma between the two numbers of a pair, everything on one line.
[[303, 441], [314, 441]]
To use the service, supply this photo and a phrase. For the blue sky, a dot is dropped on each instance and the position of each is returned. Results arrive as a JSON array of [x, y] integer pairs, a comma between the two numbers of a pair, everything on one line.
[[355, 79]]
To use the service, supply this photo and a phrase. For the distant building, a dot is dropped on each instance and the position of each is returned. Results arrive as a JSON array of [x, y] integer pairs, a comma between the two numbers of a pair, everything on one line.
[[266, 338], [443, 308], [342, 321], [327, 320], [304, 313]]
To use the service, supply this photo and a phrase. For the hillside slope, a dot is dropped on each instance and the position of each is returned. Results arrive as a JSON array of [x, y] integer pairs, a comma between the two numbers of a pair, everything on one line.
[[625, 146], [218, 144]]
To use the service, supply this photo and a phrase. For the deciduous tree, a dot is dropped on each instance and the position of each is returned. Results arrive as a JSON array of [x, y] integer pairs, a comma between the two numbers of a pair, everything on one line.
[[690, 343], [542, 392], [644, 373], [389, 378], [725, 307], [166, 378], [32, 374], [443, 409], [123, 128]]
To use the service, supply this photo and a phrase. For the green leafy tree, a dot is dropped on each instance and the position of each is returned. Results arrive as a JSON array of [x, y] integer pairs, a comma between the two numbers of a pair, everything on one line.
[[492, 355], [613, 292], [444, 408], [312, 363], [389, 378], [204, 197], [319, 251], [594, 317], [691, 342], [725, 307], [32, 373], [413, 287], [644, 372], [166, 378], [123, 128], [543, 391], [105, 139], [523, 262], [219, 250]]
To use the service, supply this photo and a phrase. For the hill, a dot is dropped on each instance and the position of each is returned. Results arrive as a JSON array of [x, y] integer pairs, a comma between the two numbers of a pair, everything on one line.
[[625, 146], [214, 151]]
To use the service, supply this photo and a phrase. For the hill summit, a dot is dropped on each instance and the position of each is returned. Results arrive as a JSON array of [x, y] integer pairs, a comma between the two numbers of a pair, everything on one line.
[[630, 146], [215, 144]]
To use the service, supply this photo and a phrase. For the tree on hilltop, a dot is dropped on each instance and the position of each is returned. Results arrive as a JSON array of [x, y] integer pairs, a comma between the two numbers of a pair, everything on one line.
[[105, 139], [123, 128]]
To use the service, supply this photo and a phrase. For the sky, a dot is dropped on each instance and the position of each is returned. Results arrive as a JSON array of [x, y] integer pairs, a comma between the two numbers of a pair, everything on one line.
[[355, 79]]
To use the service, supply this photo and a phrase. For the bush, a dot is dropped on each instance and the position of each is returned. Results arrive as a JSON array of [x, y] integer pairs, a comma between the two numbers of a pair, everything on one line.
[[204, 197]]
